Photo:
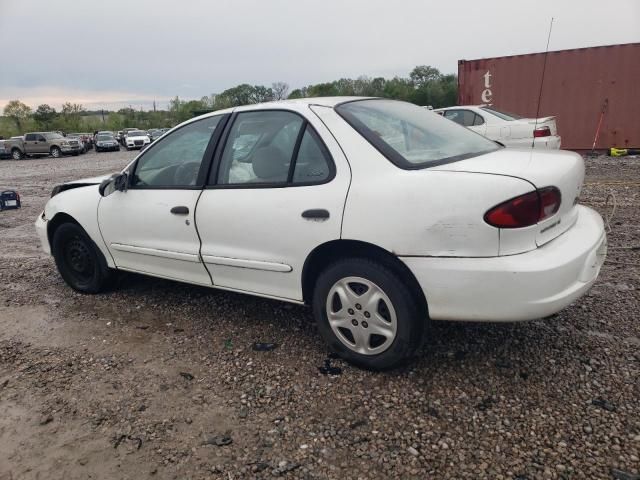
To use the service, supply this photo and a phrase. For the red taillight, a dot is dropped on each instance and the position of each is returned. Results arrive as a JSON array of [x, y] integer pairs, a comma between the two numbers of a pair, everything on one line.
[[542, 132], [525, 210]]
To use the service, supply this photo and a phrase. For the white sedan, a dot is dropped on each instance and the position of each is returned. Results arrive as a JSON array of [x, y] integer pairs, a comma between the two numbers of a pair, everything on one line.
[[508, 129], [379, 214], [137, 139]]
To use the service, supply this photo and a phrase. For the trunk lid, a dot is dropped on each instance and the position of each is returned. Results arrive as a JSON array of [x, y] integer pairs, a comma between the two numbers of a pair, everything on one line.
[[561, 169]]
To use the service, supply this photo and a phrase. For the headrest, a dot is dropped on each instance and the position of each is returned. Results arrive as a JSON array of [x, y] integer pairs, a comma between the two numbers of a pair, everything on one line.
[[270, 163]]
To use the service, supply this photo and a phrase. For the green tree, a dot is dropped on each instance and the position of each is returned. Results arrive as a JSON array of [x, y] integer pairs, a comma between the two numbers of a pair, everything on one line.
[[44, 116], [424, 74], [18, 112]]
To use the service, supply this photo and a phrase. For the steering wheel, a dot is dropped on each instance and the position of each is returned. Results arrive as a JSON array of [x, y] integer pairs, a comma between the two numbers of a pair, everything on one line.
[[186, 173]]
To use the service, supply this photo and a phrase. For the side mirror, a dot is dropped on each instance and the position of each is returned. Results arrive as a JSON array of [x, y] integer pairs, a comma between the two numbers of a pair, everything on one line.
[[116, 182]]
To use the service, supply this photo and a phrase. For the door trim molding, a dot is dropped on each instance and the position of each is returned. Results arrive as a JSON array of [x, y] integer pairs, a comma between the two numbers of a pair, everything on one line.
[[154, 252], [244, 263]]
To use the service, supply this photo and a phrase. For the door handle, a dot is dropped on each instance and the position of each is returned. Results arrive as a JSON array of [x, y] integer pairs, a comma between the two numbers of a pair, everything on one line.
[[181, 210], [320, 213]]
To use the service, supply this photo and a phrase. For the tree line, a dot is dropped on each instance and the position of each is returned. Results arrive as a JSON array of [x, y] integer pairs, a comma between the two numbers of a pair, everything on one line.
[[425, 85]]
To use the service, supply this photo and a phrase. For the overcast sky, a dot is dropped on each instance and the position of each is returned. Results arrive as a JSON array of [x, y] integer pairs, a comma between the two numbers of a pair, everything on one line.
[[118, 52]]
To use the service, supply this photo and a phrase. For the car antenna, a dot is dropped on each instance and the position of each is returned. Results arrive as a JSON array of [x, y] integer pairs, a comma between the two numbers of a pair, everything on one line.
[[544, 68]]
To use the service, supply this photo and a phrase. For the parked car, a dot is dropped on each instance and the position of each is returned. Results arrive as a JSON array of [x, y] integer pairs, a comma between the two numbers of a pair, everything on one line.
[[5, 149], [106, 142], [137, 139], [125, 132], [379, 214], [42, 143], [82, 141], [508, 129], [155, 133]]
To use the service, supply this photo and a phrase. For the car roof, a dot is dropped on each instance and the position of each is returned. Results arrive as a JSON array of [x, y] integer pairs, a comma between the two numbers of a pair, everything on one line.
[[294, 103]]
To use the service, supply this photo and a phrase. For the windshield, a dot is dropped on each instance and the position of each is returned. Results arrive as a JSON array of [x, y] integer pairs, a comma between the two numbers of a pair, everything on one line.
[[412, 136], [104, 138], [509, 117], [136, 133]]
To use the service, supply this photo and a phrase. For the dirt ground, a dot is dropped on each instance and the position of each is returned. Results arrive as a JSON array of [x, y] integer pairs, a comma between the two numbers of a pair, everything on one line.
[[159, 380]]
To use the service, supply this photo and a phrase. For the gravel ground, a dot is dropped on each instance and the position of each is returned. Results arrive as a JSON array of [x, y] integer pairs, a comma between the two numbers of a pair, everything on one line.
[[160, 380]]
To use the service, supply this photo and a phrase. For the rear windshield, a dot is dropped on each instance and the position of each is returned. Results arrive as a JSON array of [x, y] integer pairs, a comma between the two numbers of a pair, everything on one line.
[[500, 114], [412, 136]]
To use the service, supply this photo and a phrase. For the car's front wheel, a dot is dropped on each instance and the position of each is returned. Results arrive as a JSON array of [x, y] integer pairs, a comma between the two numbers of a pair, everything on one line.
[[79, 261], [367, 314]]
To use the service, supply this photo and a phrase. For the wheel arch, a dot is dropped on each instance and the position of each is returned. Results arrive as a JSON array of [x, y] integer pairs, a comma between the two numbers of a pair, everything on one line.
[[62, 218], [58, 220], [334, 250]]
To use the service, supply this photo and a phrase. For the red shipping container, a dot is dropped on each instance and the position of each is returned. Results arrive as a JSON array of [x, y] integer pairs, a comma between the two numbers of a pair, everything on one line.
[[578, 85]]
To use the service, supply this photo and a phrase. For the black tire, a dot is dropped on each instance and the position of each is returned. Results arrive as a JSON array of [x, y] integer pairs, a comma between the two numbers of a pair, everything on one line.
[[16, 154], [55, 152], [411, 319], [79, 261]]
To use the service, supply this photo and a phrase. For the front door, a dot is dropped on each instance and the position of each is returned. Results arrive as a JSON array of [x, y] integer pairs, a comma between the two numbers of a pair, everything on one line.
[[278, 192], [150, 228]]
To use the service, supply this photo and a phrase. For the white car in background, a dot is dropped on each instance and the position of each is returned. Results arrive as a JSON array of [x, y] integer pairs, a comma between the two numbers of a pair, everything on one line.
[[506, 128], [137, 139], [379, 214]]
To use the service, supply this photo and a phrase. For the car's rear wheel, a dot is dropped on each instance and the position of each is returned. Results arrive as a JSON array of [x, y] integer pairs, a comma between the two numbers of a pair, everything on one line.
[[367, 314], [56, 152], [79, 261], [16, 154]]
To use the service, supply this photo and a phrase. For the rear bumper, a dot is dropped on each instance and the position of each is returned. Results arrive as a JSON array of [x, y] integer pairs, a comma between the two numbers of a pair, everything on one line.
[[552, 142], [526, 286]]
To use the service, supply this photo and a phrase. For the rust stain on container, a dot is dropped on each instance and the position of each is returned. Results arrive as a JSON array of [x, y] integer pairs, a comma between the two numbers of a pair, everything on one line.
[[577, 84]]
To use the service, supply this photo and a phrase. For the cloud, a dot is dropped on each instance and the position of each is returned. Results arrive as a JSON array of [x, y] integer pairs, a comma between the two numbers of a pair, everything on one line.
[[144, 49]]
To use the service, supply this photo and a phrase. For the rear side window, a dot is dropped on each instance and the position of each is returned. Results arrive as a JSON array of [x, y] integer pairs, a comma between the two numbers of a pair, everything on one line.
[[273, 148], [313, 161], [466, 118], [410, 136]]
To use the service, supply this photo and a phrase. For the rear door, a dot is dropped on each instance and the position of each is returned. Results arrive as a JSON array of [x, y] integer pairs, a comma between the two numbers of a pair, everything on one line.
[[150, 227], [277, 191]]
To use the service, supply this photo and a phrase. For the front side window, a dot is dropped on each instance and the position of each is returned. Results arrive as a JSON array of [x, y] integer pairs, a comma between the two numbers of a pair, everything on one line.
[[410, 136], [174, 161]]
